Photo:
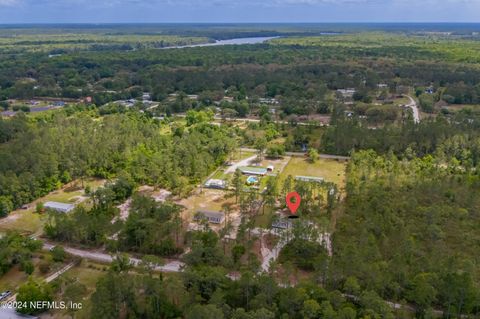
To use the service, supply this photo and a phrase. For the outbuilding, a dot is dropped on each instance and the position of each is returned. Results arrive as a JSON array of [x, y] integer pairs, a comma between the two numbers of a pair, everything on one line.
[[216, 183], [212, 216], [311, 179], [282, 224], [249, 170]]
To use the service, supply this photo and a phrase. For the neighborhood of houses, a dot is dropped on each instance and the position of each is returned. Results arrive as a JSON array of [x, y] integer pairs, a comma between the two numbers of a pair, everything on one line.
[[254, 174]]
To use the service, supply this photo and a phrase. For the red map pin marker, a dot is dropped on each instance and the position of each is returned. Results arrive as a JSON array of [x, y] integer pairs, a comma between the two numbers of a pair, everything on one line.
[[293, 206]]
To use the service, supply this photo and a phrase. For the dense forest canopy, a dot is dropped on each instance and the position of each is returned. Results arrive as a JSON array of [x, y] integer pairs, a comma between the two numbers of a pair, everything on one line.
[[410, 231], [289, 67], [38, 156]]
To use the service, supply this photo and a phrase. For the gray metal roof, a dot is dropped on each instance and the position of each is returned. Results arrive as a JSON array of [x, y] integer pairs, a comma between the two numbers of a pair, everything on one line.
[[62, 207], [211, 216], [309, 179], [211, 213]]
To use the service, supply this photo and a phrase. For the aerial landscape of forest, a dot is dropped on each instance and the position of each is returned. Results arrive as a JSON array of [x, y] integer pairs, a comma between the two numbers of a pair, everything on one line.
[[144, 170]]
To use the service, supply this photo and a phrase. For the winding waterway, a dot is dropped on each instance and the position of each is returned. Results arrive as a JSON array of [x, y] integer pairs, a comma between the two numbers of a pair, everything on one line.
[[237, 41]]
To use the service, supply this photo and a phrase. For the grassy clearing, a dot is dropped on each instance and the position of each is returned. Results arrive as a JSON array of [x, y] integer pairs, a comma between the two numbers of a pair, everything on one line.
[[458, 107], [87, 273], [264, 217], [15, 277], [330, 170], [208, 199], [220, 174], [26, 220], [402, 101], [239, 155]]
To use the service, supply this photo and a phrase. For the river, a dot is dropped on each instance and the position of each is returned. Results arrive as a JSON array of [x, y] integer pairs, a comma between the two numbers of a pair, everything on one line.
[[237, 41]]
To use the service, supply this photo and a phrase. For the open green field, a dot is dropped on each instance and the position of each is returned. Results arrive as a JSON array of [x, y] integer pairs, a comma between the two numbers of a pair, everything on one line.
[[330, 170]]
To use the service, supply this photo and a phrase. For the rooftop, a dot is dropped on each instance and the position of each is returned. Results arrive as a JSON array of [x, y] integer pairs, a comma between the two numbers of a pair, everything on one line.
[[253, 170], [309, 179], [63, 207], [211, 213], [212, 216], [216, 183]]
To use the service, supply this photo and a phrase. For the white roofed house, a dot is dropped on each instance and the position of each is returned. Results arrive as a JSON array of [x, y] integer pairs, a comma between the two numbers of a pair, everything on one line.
[[211, 216], [59, 207], [282, 223], [216, 183], [250, 170], [346, 93]]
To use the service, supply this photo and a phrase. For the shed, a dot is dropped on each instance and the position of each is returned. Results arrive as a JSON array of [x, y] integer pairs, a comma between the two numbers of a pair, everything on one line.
[[311, 179], [216, 183], [282, 224], [249, 170]]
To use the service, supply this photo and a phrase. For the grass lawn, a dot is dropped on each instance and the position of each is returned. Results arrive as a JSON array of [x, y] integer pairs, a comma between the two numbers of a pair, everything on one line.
[[330, 170], [239, 155], [264, 219], [402, 101], [26, 221], [458, 107], [63, 196], [220, 174], [165, 129]]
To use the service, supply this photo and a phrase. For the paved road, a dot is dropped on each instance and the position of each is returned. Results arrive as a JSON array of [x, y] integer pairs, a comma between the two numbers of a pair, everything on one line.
[[57, 274], [172, 266], [413, 105], [244, 162]]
